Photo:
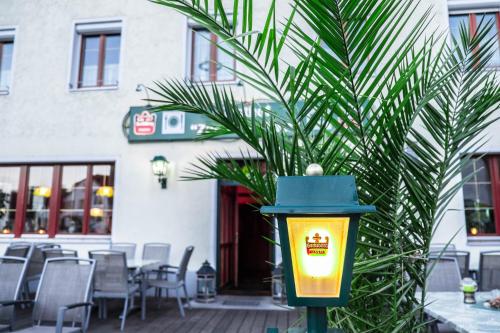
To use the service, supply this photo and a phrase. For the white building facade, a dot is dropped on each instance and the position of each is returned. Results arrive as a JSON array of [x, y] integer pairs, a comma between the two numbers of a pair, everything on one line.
[[70, 71]]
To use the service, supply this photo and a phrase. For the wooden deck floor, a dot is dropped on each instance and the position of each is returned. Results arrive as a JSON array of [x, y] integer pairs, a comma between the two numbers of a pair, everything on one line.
[[167, 319]]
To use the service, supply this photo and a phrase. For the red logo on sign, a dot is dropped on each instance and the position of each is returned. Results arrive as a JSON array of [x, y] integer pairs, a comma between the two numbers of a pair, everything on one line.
[[145, 123]]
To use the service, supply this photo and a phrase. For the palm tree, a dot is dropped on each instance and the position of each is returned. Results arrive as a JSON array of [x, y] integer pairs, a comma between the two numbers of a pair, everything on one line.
[[367, 90]]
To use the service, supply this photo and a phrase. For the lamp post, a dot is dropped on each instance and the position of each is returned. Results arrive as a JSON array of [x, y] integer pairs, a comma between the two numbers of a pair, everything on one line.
[[318, 224]]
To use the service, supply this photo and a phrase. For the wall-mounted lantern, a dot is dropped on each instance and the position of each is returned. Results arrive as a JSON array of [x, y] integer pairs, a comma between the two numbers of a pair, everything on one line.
[[160, 167], [205, 289], [318, 224]]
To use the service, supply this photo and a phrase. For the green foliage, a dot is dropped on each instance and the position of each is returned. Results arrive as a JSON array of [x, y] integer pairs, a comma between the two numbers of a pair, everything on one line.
[[369, 91]]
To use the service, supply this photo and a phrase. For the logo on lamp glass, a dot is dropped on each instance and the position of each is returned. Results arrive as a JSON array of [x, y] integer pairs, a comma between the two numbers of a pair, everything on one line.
[[319, 247], [145, 123]]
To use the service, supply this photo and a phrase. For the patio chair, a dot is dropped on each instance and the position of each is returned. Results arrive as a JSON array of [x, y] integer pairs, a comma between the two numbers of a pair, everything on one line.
[[463, 259], [59, 253], [179, 282], [489, 270], [160, 252], [128, 248], [18, 250], [111, 282], [12, 272], [443, 274], [36, 264], [439, 247], [62, 298]]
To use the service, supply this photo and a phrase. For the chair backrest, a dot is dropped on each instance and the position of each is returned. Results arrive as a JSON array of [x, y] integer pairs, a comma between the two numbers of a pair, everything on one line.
[[443, 274], [59, 253], [60, 285], [12, 272], [439, 247], [35, 266], [128, 248], [15, 250], [489, 270], [181, 274], [157, 251], [463, 259], [111, 273]]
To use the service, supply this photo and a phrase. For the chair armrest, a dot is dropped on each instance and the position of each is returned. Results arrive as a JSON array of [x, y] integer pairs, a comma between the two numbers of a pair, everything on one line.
[[163, 267], [62, 311], [18, 302]]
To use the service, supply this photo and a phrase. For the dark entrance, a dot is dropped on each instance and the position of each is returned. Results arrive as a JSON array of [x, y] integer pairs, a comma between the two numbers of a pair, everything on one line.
[[244, 254]]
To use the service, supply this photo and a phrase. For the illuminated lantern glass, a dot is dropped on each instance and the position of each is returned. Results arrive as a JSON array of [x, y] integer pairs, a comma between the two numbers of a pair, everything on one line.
[[105, 191], [42, 191], [96, 212], [160, 168], [318, 223]]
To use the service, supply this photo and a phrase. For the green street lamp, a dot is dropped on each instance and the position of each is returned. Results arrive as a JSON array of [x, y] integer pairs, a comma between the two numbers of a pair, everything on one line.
[[318, 223]]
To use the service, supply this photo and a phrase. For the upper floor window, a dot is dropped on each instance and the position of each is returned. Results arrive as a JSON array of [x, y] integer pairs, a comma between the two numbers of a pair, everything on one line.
[[472, 21], [481, 193], [208, 63], [96, 56], [6, 52], [56, 199]]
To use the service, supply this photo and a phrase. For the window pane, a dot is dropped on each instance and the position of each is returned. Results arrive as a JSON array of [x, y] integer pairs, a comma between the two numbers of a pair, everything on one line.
[[111, 60], [9, 181], [456, 21], [224, 61], [39, 192], [72, 199], [485, 19], [6, 64], [90, 61], [101, 208], [201, 55], [480, 221]]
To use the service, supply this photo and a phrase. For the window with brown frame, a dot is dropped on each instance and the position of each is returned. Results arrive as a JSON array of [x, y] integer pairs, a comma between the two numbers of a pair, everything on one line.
[[6, 50], [208, 62], [55, 199], [472, 21], [99, 60], [481, 192]]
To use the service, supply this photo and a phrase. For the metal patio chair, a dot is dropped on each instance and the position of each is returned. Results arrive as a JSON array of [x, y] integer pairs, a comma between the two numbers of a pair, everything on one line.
[[63, 297], [489, 270], [12, 272], [440, 247], [36, 263], [18, 250], [160, 252], [463, 259], [128, 248], [444, 274], [112, 282], [59, 253], [180, 279]]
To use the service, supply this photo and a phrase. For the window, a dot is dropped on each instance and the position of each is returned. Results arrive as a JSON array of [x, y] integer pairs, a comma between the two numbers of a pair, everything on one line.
[[6, 52], [481, 193], [57, 199], [472, 21], [209, 63], [96, 56]]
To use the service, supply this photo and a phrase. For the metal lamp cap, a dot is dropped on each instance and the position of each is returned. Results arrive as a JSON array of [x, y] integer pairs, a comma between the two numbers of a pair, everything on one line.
[[314, 170]]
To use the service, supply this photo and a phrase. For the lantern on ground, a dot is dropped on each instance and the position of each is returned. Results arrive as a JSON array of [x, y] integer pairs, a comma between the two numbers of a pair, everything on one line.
[[205, 290], [318, 224], [278, 285]]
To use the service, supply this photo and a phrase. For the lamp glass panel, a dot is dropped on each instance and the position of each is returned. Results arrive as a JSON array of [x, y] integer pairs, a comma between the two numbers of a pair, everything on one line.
[[318, 246]]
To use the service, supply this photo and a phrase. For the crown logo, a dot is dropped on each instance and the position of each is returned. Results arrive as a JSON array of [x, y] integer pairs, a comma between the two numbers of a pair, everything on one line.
[[318, 247], [144, 123]]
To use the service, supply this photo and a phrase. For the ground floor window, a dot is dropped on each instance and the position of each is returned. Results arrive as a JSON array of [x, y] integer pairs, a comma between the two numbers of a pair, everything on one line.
[[55, 199], [481, 193]]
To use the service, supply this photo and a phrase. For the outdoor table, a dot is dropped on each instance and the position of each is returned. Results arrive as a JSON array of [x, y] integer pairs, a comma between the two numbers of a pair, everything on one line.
[[141, 263], [449, 308]]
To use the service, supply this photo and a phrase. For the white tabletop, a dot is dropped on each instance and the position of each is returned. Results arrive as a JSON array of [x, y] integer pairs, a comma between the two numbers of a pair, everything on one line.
[[141, 263], [449, 308]]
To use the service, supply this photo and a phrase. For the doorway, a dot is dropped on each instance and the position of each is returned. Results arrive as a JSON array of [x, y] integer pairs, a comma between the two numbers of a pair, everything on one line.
[[244, 253]]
